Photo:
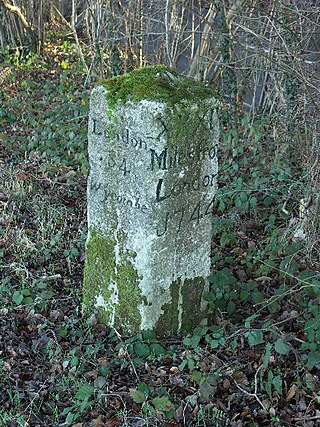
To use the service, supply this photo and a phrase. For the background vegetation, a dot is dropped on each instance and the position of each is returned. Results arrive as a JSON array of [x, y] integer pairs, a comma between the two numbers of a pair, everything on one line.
[[259, 361]]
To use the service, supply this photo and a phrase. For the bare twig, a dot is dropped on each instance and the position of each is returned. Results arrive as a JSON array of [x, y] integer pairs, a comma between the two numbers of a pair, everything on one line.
[[255, 393]]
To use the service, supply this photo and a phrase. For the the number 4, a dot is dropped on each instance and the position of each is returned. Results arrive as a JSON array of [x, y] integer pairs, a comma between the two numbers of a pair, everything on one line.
[[123, 167]]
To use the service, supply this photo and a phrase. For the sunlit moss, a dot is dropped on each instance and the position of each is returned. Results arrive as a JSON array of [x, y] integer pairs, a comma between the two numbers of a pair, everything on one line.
[[158, 83]]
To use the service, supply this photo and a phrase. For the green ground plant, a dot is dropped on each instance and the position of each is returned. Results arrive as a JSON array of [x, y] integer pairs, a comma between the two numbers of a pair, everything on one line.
[[253, 364]]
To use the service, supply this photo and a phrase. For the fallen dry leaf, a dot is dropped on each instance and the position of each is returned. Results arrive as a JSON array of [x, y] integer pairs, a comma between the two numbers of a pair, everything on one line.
[[240, 377], [291, 392]]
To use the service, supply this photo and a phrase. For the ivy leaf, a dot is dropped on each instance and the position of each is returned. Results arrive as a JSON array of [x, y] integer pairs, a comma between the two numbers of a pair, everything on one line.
[[224, 239], [17, 297], [187, 341], [207, 391], [74, 251], [281, 347], [157, 349], [137, 395], [149, 335], [277, 382], [222, 205], [84, 392], [100, 382], [231, 307], [70, 417], [196, 376], [255, 337], [142, 349], [162, 404], [195, 340], [27, 301]]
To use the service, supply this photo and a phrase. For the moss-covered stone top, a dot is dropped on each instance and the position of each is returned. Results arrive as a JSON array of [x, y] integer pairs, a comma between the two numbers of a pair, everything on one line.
[[157, 83]]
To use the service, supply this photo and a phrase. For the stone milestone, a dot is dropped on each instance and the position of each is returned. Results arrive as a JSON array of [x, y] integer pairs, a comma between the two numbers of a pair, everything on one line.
[[153, 138]]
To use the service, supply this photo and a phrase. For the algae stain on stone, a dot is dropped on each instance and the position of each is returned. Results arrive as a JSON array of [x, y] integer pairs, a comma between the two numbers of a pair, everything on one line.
[[168, 322], [108, 280], [179, 315], [192, 296]]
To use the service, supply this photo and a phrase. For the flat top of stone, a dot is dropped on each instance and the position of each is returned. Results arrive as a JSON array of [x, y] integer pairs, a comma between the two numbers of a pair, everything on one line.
[[156, 83]]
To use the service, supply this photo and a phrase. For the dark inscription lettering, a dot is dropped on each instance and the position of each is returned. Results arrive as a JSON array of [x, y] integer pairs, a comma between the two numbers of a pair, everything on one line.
[[206, 180], [213, 176], [143, 144], [165, 159], [177, 217], [205, 119], [212, 152], [111, 163], [159, 198], [183, 187], [95, 186], [195, 216], [99, 128], [134, 142], [179, 214], [161, 159], [165, 228], [95, 126], [106, 196], [123, 200], [137, 202], [123, 167], [125, 136], [202, 120], [210, 207], [173, 160], [180, 157], [128, 139], [181, 211], [164, 128]]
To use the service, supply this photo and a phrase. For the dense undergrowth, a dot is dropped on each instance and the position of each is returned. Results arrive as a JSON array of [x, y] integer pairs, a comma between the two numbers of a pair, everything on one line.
[[258, 363]]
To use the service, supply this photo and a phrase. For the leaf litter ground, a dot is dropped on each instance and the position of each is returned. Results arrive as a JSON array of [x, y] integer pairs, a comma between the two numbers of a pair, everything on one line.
[[59, 367]]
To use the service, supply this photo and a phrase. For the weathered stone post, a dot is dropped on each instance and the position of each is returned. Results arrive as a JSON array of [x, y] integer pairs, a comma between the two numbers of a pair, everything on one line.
[[153, 138]]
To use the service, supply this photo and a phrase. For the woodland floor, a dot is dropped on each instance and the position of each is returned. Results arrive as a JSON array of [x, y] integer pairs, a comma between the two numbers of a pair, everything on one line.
[[257, 366]]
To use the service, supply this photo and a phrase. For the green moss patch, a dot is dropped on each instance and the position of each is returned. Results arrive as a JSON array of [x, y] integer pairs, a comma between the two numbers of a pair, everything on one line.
[[158, 83], [104, 278]]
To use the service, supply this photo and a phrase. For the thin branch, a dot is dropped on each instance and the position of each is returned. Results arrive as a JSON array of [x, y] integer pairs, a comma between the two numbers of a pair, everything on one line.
[[17, 11], [74, 32], [255, 394]]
